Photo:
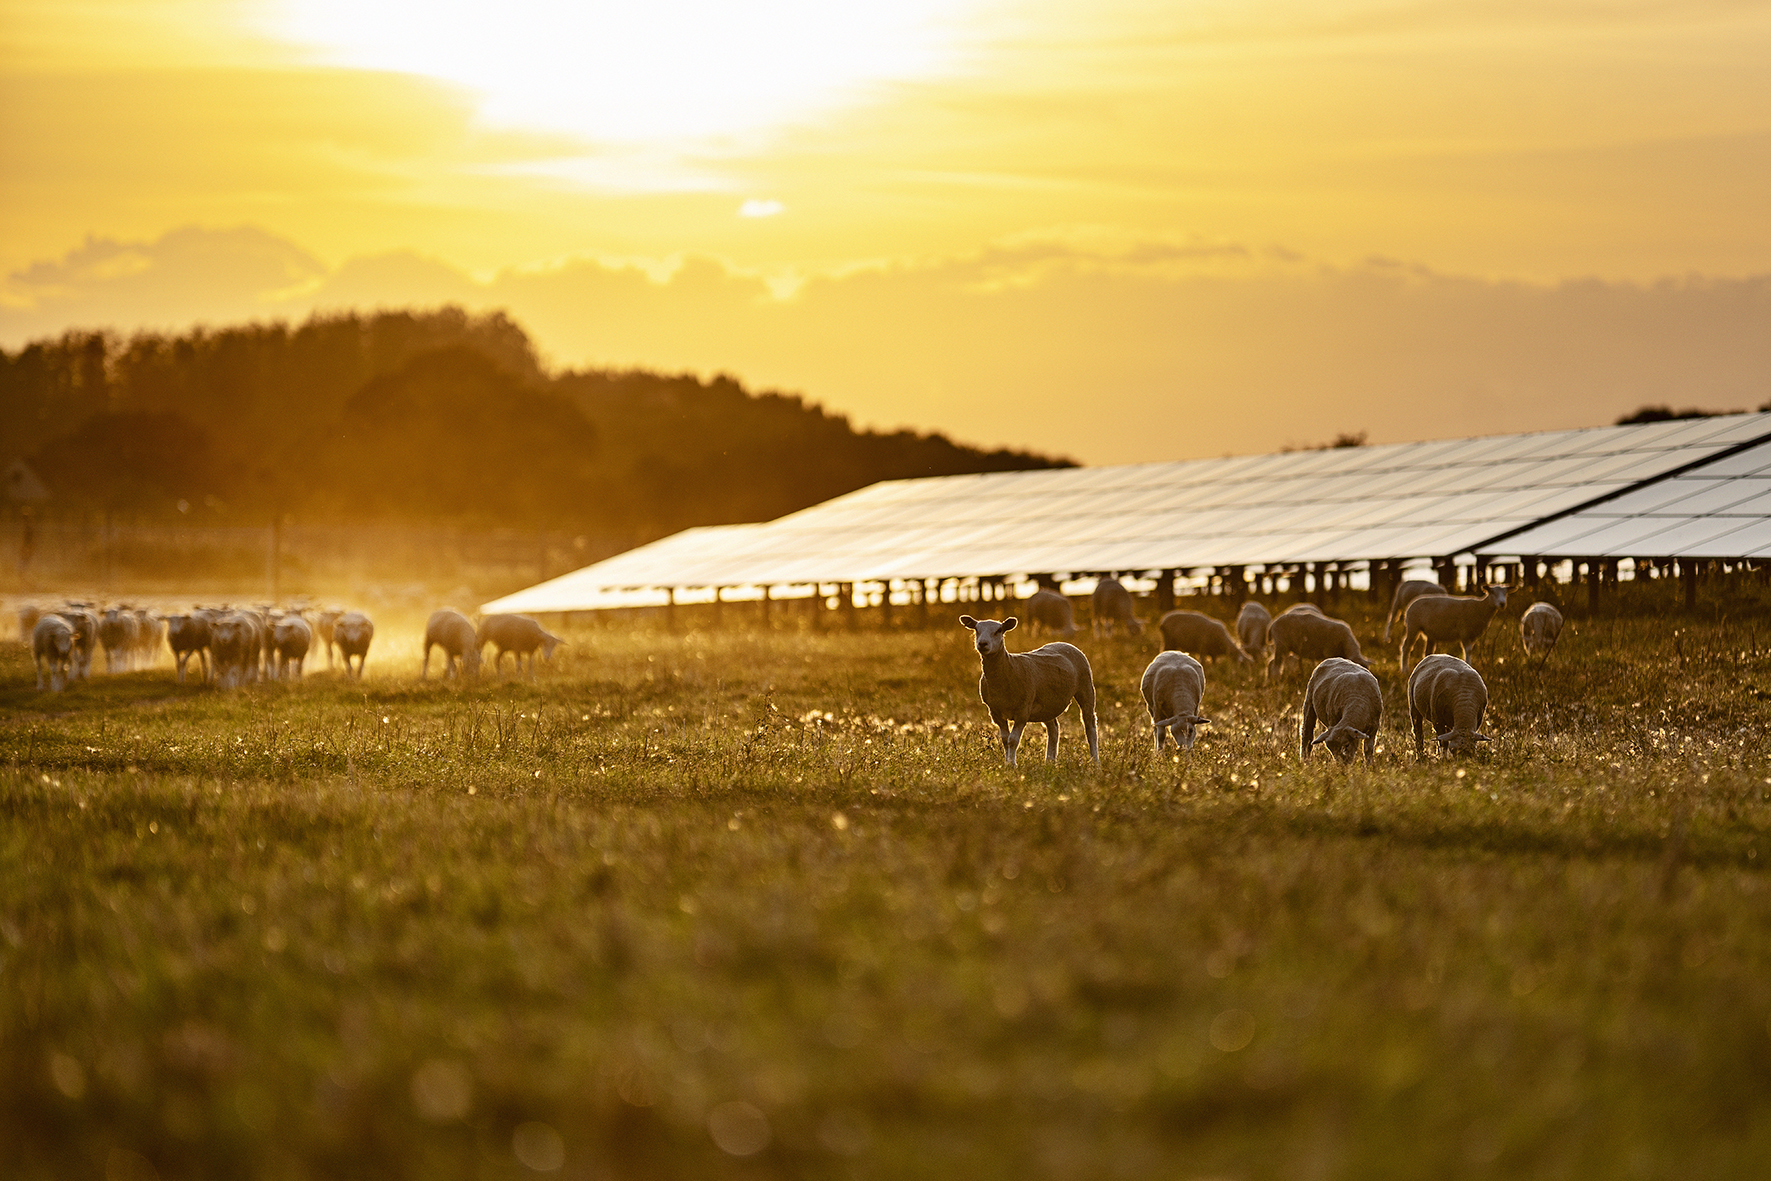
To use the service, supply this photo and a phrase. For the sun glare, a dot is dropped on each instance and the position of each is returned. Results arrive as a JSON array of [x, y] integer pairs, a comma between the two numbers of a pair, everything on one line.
[[631, 74]]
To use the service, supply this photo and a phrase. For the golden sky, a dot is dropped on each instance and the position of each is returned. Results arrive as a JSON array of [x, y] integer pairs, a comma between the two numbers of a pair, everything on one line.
[[1135, 169]]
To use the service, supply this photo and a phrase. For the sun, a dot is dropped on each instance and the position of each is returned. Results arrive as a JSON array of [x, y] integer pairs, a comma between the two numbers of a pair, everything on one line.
[[633, 74]]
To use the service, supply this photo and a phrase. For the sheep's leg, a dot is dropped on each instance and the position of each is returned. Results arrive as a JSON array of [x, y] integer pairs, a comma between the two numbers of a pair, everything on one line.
[[1011, 741], [1161, 729], [1051, 740], [1371, 746], [424, 669], [1307, 730], [1420, 742]]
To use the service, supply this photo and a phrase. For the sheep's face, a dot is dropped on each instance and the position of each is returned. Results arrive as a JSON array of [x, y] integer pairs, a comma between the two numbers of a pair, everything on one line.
[[1185, 731], [1343, 742], [988, 633], [1500, 595], [1461, 742]]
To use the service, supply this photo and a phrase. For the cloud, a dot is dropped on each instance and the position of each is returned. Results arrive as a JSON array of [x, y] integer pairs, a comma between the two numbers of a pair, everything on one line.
[[1076, 341]]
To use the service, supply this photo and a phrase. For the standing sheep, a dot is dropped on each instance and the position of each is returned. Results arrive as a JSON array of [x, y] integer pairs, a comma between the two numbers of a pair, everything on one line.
[[1112, 606], [1539, 629], [1348, 701], [352, 633], [291, 637], [1444, 619], [85, 625], [150, 629], [1173, 686], [118, 632], [517, 634], [1407, 591], [1050, 609], [188, 635], [234, 643], [1200, 634], [1450, 694], [1303, 631], [1037, 686], [1251, 627], [453, 632], [324, 622], [52, 647]]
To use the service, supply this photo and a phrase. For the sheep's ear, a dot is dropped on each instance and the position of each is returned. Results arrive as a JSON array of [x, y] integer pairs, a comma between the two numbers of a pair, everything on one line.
[[1483, 738], [1321, 738], [1008, 625], [1199, 721], [969, 622]]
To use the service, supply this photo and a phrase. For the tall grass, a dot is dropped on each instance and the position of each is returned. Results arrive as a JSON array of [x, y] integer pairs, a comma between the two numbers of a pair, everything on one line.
[[771, 905]]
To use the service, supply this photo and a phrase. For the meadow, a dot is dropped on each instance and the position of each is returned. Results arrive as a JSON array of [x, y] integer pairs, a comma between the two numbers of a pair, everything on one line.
[[769, 904]]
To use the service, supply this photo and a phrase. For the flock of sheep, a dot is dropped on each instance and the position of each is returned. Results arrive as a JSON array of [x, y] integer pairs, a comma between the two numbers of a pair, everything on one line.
[[234, 645], [1342, 695]]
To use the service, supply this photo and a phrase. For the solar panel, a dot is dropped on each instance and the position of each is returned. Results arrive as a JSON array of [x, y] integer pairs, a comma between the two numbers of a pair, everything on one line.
[[1412, 500]]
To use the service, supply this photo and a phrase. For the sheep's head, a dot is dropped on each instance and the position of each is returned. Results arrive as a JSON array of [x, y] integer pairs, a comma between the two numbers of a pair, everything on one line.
[[470, 660], [989, 633], [1461, 742], [1498, 592], [1342, 741], [1185, 729]]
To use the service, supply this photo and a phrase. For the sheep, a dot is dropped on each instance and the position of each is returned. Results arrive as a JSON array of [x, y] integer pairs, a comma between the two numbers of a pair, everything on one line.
[[234, 643], [187, 635], [149, 631], [352, 632], [1037, 686], [324, 622], [454, 633], [28, 615], [1450, 694], [1049, 608], [1173, 685], [1539, 628], [85, 624], [517, 634], [1348, 701], [1407, 591], [1200, 634], [291, 637], [1251, 627], [1440, 619], [1112, 605], [118, 632], [1303, 631], [52, 646]]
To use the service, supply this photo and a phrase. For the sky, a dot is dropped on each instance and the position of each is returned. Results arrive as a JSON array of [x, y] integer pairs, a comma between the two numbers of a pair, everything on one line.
[[1121, 231]]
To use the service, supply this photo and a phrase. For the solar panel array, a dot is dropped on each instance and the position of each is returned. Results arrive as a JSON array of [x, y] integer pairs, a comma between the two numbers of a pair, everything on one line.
[[1342, 505], [1719, 510]]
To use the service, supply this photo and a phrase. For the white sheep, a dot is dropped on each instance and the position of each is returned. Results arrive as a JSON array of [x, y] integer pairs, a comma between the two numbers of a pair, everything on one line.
[[1173, 685], [1037, 686], [1349, 703], [1051, 609], [517, 634], [291, 637], [1407, 591], [188, 635], [352, 632], [453, 632], [118, 632], [150, 629], [1445, 619], [234, 642], [52, 647], [1200, 634], [84, 621], [1450, 694], [1539, 629], [324, 622], [1302, 630], [1251, 627], [1112, 606]]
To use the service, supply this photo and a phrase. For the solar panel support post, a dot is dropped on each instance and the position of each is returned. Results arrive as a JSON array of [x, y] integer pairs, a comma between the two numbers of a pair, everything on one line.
[[670, 609], [1688, 572], [846, 592], [763, 603], [719, 608], [885, 604], [1594, 574], [1165, 590], [1238, 585], [1528, 567]]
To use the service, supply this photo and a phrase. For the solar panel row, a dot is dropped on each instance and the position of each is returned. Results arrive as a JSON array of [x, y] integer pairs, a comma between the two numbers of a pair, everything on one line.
[[1343, 505]]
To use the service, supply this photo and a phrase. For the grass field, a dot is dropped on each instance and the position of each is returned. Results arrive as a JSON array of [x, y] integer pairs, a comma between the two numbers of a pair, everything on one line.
[[770, 905]]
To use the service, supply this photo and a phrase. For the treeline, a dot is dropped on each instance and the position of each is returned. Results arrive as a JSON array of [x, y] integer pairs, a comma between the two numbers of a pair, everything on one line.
[[433, 417]]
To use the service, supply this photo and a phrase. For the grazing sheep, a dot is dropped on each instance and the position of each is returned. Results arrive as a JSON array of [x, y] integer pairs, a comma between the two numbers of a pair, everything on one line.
[[1200, 634], [1173, 686], [453, 632], [1539, 628], [1112, 606], [517, 634], [1303, 631], [28, 615], [187, 635], [1442, 619], [1348, 701], [118, 632], [149, 631], [1037, 686], [291, 637], [234, 644], [52, 646], [85, 624], [1251, 627], [1449, 693], [324, 622], [1049, 608], [1407, 591], [352, 632]]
